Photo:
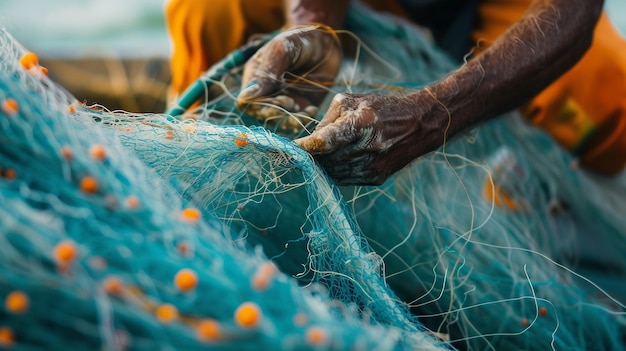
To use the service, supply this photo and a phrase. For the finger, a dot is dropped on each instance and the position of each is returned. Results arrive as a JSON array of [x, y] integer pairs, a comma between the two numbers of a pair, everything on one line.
[[282, 111], [273, 106], [334, 131], [353, 173], [328, 139], [335, 111], [263, 73]]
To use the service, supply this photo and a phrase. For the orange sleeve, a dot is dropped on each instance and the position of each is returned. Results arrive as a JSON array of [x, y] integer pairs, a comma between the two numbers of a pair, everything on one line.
[[585, 109], [204, 31]]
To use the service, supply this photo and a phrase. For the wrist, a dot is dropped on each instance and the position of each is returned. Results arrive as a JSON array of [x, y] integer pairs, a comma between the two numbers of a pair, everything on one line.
[[457, 101], [429, 124]]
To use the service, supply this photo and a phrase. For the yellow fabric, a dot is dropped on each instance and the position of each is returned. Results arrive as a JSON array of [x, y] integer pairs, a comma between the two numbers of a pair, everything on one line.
[[585, 110], [203, 32]]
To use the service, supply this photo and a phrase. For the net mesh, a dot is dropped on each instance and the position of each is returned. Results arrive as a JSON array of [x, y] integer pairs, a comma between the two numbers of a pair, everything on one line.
[[141, 231]]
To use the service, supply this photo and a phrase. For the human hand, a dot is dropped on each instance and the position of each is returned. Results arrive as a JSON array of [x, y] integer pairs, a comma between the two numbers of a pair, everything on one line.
[[363, 139], [285, 80]]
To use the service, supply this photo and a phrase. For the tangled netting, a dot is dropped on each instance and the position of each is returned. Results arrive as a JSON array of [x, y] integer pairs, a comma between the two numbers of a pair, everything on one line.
[[145, 232]]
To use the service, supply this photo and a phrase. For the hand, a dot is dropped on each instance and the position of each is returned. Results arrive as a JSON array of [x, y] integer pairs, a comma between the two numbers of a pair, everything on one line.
[[363, 139], [291, 71]]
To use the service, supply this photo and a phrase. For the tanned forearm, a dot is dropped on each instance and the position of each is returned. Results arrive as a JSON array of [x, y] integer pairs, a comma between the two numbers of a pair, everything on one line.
[[329, 12], [550, 38]]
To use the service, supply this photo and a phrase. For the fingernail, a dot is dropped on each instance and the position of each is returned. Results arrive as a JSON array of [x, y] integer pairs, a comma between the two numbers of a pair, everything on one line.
[[249, 90]]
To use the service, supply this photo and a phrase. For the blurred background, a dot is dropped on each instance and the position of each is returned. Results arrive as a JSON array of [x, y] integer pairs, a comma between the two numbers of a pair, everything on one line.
[[115, 52], [110, 52]]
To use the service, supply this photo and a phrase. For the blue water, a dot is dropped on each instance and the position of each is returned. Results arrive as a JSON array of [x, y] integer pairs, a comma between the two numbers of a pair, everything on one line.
[[130, 28], [70, 28]]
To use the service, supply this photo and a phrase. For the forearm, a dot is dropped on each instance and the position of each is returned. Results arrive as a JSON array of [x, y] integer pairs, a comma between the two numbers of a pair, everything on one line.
[[550, 38], [329, 12]]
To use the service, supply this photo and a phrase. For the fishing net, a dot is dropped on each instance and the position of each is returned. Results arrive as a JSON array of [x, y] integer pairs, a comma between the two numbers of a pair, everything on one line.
[[145, 231]]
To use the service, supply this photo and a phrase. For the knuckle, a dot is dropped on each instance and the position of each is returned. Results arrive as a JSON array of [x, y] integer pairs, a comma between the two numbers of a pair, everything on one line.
[[338, 99]]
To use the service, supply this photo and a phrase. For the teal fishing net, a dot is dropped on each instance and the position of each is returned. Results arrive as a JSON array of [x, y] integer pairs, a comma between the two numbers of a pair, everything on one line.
[[143, 231]]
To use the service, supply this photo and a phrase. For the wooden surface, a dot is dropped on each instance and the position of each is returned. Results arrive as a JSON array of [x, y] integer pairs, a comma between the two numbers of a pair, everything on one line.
[[134, 85]]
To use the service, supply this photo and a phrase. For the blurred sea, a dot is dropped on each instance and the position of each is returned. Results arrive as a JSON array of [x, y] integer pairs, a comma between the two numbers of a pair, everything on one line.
[[117, 28], [97, 28]]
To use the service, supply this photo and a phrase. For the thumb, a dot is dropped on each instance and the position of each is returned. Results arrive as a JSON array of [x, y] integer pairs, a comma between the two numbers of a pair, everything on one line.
[[329, 139], [322, 140], [314, 144]]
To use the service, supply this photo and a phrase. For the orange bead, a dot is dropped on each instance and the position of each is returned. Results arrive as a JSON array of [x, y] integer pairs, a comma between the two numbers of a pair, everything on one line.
[[248, 315], [10, 173], [89, 185], [6, 337], [524, 322], [112, 286], [66, 153], [98, 152], [242, 140], [182, 247], [543, 311], [65, 252], [186, 279], [132, 202], [191, 215], [17, 302], [71, 108], [43, 70], [10, 107], [263, 276], [166, 313], [29, 60], [300, 319], [315, 336], [209, 329]]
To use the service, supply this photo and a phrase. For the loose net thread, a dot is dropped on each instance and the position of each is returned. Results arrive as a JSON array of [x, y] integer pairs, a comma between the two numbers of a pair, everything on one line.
[[488, 276]]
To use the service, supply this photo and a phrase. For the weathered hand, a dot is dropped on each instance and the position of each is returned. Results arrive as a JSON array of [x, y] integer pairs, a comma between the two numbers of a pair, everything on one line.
[[290, 71], [363, 139]]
